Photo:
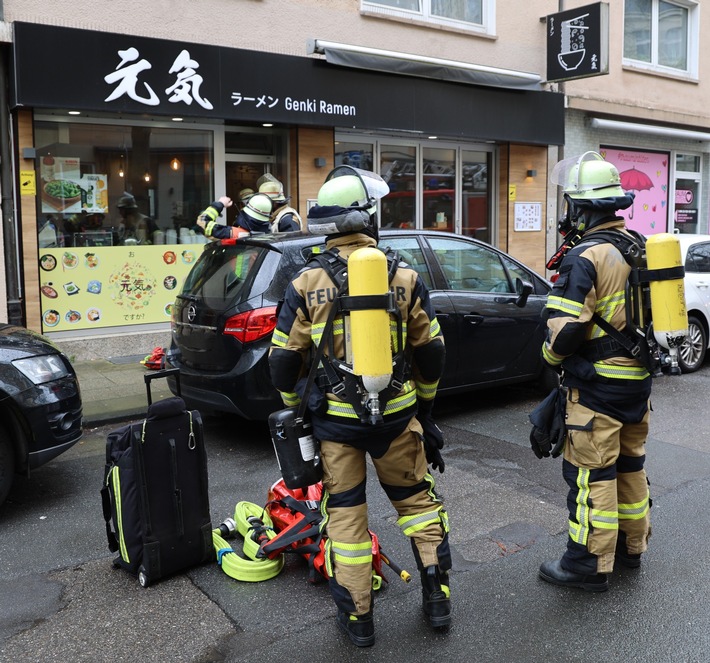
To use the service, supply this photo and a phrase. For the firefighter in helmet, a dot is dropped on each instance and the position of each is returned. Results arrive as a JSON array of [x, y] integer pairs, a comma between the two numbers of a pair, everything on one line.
[[402, 441], [253, 218], [608, 387], [284, 218]]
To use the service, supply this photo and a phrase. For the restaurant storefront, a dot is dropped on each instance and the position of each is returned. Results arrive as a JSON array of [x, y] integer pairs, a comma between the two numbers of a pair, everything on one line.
[[119, 150]]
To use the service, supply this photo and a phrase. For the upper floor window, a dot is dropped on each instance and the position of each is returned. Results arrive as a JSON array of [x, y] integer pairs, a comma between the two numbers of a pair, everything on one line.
[[661, 35], [469, 15]]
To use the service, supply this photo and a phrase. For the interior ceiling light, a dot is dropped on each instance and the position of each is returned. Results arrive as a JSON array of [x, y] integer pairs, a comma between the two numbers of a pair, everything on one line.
[[146, 176], [175, 164]]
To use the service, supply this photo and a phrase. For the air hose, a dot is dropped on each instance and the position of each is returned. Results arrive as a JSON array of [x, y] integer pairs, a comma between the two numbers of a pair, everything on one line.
[[255, 526]]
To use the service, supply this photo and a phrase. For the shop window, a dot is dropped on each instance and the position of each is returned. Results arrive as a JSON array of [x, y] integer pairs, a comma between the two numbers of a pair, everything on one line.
[[469, 15], [398, 167], [661, 35], [116, 210], [89, 173], [688, 182], [439, 188]]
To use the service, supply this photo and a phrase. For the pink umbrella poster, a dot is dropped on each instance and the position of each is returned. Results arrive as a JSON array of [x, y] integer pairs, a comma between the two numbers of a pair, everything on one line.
[[646, 175]]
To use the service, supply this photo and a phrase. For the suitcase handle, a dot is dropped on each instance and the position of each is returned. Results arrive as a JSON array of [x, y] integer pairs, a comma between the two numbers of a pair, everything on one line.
[[165, 373]]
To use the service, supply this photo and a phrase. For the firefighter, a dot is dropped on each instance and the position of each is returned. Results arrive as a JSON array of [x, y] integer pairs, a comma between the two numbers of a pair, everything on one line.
[[284, 218], [608, 389], [401, 441], [254, 217]]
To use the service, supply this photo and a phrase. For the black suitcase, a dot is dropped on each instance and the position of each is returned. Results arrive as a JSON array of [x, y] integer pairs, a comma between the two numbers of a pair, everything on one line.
[[155, 497]]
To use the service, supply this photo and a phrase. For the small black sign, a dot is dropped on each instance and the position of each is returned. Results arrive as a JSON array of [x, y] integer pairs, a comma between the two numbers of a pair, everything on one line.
[[578, 43]]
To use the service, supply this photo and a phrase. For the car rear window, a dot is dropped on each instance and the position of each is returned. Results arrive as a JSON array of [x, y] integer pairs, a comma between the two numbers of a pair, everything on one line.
[[224, 273]]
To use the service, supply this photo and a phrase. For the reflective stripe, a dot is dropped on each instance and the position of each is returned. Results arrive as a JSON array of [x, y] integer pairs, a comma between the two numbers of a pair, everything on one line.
[[211, 212], [605, 519], [606, 307], [352, 553], [290, 398], [434, 328], [279, 338], [636, 511], [427, 391], [621, 372], [419, 521], [115, 480], [564, 305], [579, 531], [402, 402], [549, 357], [317, 330]]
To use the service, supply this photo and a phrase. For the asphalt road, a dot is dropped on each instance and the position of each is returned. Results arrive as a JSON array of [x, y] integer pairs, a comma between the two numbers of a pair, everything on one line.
[[61, 600]]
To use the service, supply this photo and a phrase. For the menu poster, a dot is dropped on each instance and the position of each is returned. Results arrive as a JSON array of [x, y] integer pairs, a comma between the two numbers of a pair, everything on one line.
[[92, 287], [64, 189]]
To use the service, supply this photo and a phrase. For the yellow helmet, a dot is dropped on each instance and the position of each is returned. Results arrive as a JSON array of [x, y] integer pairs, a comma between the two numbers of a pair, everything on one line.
[[259, 207], [245, 193], [587, 177], [274, 190]]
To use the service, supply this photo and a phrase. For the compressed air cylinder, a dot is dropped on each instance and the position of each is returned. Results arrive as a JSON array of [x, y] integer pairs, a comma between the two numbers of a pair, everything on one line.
[[370, 329], [670, 317]]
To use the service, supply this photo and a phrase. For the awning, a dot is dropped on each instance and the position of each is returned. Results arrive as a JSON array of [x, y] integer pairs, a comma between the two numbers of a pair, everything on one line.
[[407, 64]]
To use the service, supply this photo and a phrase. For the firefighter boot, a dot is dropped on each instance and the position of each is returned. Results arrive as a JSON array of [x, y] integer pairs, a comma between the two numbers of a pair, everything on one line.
[[554, 573], [359, 628], [436, 599]]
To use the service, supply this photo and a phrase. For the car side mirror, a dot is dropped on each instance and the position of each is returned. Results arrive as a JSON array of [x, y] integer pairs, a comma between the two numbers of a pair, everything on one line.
[[523, 289]]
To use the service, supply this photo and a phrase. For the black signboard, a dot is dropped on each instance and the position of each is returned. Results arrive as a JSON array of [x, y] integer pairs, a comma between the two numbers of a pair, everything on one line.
[[578, 43], [99, 71]]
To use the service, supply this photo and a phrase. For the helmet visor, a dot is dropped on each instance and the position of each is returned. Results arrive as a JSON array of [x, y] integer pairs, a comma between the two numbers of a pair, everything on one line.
[[565, 173], [373, 184]]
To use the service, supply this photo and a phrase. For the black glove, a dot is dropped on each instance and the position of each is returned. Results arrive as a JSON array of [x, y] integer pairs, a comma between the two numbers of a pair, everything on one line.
[[547, 436], [433, 437]]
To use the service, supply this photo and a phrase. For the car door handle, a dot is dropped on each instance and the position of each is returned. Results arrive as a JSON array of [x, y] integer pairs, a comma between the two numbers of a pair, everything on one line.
[[440, 315], [473, 318]]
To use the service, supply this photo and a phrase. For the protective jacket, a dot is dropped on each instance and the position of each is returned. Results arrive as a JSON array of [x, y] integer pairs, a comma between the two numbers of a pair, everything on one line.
[[219, 230], [607, 409], [593, 279], [286, 219], [301, 321], [393, 442]]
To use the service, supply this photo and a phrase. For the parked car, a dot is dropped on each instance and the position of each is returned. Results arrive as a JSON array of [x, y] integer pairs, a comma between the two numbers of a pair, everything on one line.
[[40, 403], [222, 323], [695, 254]]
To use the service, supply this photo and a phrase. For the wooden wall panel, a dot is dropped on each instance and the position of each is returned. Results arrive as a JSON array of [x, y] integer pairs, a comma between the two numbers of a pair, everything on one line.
[[527, 246], [313, 143], [504, 160], [28, 232]]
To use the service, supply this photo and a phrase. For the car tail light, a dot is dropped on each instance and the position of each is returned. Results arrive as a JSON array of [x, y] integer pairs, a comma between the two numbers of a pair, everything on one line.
[[251, 325]]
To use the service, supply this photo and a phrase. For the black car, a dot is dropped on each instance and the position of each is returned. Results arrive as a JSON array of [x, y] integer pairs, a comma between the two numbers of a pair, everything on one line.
[[40, 403], [488, 305]]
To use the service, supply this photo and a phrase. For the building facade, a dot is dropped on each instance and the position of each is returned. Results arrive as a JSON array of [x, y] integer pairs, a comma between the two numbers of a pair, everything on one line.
[[175, 105], [649, 114]]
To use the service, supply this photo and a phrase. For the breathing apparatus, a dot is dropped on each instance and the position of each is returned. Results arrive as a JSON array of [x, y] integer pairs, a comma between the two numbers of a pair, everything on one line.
[[655, 291], [347, 203]]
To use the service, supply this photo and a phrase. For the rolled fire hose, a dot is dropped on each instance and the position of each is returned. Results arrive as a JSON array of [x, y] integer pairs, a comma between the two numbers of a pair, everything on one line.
[[254, 525]]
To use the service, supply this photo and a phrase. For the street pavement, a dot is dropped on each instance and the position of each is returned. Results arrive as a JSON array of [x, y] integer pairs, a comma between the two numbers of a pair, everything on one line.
[[507, 512]]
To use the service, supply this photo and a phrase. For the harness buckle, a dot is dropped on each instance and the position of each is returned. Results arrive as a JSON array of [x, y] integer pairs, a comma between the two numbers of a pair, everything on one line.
[[396, 384], [338, 389]]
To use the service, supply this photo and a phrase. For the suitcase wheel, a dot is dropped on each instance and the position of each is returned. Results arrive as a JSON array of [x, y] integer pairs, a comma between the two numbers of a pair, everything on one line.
[[143, 577]]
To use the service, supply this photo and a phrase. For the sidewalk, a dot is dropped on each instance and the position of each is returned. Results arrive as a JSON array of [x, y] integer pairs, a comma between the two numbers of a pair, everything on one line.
[[114, 389]]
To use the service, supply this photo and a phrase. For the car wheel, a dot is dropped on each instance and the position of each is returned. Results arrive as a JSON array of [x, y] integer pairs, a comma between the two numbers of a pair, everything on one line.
[[691, 354], [7, 464]]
